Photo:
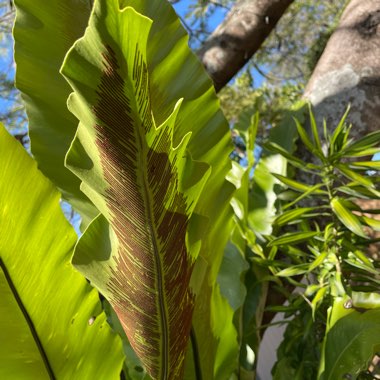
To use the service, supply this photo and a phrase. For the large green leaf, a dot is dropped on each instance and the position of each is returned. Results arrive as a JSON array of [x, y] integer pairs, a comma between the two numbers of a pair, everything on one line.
[[51, 321], [145, 185], [43, 33], [352, 339], [175, 73]]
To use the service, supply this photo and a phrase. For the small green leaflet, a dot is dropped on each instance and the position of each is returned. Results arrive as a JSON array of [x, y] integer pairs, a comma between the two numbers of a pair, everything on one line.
[[347, 217], [292, 238]]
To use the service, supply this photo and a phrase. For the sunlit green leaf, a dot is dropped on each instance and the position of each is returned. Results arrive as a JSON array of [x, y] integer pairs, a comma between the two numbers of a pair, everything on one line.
[[347, 217], [44, 31], [311, 190], [263, 195], [296, 185], [339, 137], [285, 132], [361, 152], [366, 300], [311, 289], [246, 128], [304, 137], [353, 261], [315, 132], [318, 261], [318, 298], [292, 238], [362, 256], [307, 141], [51, 321], [141, 252], [295, 161], [366, 165], [355, 176], [293, 270], [149, 214], [353, 188], [172, 66], [363, 144], [291, 215], [373, 223]]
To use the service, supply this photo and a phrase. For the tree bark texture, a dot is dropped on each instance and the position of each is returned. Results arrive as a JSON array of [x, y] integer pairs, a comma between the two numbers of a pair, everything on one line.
[[239, 36], [349, 70]]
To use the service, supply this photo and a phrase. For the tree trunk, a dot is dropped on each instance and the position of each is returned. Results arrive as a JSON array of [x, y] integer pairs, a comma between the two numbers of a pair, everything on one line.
[[349, 73], [239, 36], [349, 70]]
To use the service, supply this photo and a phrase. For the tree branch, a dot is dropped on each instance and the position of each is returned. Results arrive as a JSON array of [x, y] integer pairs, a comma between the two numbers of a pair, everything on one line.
[[239, 36]]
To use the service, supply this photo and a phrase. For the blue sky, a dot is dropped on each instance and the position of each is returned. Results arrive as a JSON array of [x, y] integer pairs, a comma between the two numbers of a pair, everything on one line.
[[183, 7]]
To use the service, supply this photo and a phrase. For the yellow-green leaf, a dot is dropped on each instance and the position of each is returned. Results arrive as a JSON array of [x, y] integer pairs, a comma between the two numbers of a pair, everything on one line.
[[291, 215], [366, 165], [318, 298], [296, 185], [318, 261], [373, 223], [292, 238], [293, 270], [44, 31], [364, 143], [315, 132], [347, 217], [137, 165], [363, 300], [52, 325], [350, 174]]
